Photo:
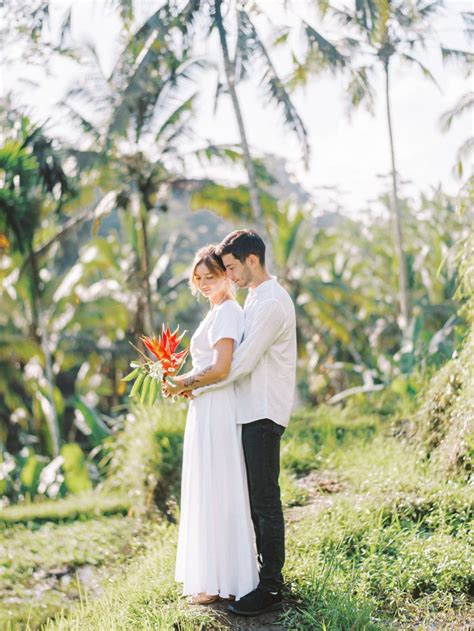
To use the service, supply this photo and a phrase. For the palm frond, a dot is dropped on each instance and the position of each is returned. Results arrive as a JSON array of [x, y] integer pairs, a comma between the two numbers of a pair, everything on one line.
[[299, 75], [464, 104], [468, 19], [343, 16], [65, 28], [148, 73], [273, 84], [226, 153], [368, 13], [95, 88], [174, 121], [427, 10], [323, 6], [143, 87], [327, 53], [227, 202], [464, 57], [360, 90], [155, 25], [281, 38], [93, 52], [187, 20], [466, 150], [86, 126], [426, 73], [125, 8]]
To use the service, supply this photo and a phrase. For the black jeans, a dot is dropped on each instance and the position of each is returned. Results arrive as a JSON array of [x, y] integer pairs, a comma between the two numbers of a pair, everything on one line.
[[261, 443]]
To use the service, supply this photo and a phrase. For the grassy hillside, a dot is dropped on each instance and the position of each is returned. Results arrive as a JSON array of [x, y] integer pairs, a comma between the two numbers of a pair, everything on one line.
[[446, 418], [378, 537]]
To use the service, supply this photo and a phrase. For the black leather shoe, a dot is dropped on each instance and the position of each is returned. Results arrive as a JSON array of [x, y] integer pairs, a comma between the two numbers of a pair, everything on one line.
[[256, 603]]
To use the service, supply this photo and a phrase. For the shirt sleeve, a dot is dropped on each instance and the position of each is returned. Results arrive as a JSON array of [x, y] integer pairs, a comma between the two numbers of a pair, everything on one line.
[[266, 325], [228, 323]]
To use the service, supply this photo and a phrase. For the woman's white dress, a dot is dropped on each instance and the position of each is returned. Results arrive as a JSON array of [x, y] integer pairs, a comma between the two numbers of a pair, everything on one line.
[[216, 544]]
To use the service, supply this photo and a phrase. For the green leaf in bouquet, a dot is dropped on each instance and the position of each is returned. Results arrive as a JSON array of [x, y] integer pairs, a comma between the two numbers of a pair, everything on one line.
[[145, 388], [131, 375], [137, 385], [153, 392]]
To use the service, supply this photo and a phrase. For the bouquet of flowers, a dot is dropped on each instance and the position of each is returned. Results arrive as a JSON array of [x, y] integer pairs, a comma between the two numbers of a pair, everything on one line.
[[148, 375]]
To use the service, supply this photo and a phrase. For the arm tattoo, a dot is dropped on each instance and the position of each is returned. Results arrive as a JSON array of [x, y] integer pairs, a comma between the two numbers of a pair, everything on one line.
[[189, 382]]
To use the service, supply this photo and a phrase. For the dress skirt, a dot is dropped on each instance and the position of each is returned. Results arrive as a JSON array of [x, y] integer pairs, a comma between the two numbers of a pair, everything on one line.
[[216, 543]]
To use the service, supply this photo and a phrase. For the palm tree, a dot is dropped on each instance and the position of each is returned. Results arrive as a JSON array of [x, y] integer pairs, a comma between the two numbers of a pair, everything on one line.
[[250, 48], [145, 110], [380, 32], [229, 68], [250, 52], [143, 118]]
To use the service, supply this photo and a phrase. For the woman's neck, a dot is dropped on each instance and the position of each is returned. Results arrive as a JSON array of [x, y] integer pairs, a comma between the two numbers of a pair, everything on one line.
[[218, 300]]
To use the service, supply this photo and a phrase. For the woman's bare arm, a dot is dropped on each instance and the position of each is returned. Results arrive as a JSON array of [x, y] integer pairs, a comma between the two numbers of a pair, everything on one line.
[[218, 370]]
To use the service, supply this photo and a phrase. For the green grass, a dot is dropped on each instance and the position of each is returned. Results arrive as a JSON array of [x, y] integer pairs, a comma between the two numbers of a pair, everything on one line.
[[75, 507], [313, 434], [391, 550], [144, 596], [351, 571], [394, 548], [292, 494], [144, 461], [32, 563]]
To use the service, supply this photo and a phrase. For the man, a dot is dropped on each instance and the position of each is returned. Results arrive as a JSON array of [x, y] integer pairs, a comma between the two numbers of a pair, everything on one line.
[[263, 369]]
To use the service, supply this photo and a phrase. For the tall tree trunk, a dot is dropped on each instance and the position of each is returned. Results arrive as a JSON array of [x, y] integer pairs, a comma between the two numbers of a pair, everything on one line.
[[253, 189], [397, 219], [144, 302], [146, 271], [41, 333]]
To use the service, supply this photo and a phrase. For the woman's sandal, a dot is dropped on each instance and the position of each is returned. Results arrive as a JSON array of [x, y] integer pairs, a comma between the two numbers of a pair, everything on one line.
[[204, 599]]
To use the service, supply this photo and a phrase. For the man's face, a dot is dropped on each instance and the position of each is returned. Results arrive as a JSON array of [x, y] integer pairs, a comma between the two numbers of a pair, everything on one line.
[[239, 273]]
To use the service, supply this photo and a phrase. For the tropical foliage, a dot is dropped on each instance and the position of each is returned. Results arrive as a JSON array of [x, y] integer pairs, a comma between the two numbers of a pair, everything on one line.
[[102, 207]]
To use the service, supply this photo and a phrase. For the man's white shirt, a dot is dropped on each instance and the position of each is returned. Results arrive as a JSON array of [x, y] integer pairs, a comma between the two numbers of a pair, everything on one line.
[[264, 365]]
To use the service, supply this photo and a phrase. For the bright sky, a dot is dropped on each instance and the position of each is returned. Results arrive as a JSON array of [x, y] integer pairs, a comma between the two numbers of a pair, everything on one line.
[[349, 154]]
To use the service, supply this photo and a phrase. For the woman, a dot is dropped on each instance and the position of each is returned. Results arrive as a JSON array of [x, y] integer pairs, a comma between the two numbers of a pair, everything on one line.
[[216, 555]]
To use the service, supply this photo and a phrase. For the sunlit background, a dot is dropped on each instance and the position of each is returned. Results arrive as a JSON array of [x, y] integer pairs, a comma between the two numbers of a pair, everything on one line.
[[133, 133]]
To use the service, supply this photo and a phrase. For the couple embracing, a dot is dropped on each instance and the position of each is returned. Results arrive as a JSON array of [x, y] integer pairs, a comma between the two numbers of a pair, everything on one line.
[[231, 541]]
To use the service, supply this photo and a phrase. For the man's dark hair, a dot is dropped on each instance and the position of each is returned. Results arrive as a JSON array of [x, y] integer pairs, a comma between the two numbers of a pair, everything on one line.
[[242, 243]]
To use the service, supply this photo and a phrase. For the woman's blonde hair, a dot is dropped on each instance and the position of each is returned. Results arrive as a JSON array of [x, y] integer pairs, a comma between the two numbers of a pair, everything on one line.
[[214, 264]]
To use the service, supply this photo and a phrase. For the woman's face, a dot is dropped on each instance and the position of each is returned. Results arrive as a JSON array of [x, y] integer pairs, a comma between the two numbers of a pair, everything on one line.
[[208, 283]]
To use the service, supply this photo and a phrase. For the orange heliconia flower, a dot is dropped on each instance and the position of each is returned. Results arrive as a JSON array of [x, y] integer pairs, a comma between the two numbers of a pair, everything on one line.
[[164, 349]]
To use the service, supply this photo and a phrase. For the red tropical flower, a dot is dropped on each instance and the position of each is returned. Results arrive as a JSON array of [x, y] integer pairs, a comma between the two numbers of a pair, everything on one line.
[[164, 349]]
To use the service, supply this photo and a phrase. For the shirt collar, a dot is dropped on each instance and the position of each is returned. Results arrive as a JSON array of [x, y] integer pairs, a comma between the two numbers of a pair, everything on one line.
[[263, 286]]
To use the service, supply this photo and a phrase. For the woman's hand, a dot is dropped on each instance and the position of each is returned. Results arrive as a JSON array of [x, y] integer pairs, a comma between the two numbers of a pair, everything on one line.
[[171, 389], [188, 394]]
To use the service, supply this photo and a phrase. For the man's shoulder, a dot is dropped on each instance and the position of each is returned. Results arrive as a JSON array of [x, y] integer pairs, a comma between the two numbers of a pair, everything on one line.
[[274, 295], [280, 294], [278, 305]]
